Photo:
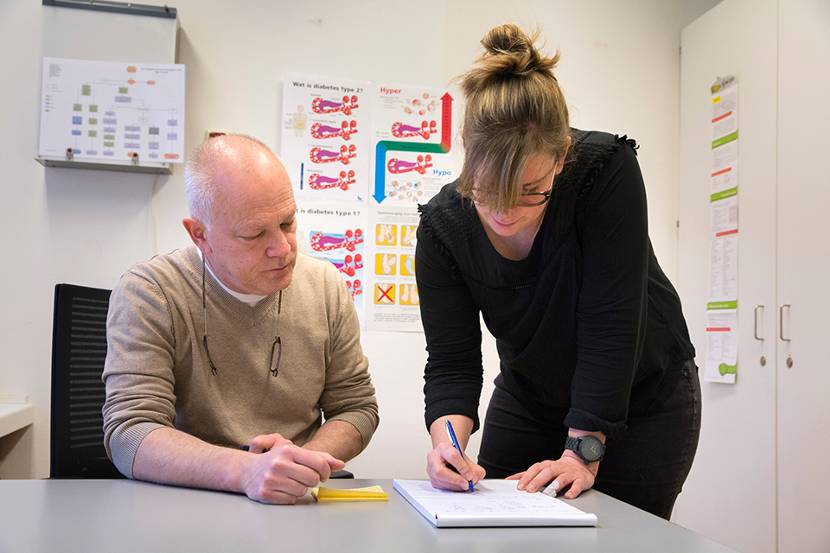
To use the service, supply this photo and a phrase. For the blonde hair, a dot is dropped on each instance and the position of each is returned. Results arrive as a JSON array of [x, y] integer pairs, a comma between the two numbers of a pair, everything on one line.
[[514, 109]]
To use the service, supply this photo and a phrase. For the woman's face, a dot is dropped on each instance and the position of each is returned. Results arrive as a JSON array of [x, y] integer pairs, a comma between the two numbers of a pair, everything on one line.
[[519, 220]]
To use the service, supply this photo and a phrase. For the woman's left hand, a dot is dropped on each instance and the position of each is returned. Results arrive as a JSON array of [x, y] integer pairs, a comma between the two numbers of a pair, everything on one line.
[[567, 470]]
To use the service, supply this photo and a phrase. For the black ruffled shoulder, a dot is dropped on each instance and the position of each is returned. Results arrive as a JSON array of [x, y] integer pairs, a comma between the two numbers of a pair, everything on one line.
[[448, 219]]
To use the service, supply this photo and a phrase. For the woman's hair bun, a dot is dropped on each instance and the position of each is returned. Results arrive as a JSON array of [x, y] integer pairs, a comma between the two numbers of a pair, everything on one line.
[[510, 51]]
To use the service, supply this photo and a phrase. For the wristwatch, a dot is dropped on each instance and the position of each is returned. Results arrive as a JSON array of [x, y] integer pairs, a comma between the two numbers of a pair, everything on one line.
[[587, 448]]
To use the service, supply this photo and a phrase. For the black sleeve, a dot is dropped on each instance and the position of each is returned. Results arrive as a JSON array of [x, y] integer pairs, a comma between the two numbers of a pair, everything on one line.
[[453, 374], [611, 310]]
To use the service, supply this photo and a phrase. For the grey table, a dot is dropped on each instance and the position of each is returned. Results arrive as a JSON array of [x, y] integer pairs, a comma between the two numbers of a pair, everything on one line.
[[90, 516]]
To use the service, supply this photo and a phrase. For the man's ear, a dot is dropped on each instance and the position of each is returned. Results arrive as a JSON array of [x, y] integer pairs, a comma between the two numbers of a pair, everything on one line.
[[196, 230]]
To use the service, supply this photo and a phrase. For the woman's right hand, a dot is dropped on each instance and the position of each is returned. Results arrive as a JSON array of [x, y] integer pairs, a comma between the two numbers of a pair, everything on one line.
[[446, 467], [441, 458]]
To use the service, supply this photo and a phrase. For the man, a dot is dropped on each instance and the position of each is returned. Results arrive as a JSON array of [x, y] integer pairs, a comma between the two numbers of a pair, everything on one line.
[[237, 341]]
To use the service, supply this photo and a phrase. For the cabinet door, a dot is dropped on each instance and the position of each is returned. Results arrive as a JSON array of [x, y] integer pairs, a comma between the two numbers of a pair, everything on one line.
[[730, 493], [804, 276]]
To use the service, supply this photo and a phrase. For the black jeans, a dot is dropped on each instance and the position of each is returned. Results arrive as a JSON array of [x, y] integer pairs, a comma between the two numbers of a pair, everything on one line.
[[646, 467]]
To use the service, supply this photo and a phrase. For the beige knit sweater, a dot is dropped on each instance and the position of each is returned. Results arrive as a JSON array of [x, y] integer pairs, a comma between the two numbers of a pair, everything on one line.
[[157, 372]]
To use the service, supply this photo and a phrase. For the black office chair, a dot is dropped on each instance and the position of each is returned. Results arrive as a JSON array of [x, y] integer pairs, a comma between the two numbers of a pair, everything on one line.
[[79, 348]]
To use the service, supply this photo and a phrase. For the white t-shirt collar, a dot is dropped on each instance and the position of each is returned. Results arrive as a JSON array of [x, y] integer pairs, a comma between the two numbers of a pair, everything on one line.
[[250, 299]]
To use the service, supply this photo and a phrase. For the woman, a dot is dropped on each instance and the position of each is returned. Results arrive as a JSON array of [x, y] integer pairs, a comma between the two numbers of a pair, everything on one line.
[[545, 235]]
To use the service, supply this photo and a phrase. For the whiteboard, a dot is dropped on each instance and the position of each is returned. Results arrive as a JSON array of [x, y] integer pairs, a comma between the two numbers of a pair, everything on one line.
[[106, 36], [113, 37]]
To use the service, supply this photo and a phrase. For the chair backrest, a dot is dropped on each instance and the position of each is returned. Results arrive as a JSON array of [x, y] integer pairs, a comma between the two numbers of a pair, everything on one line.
[[79, 347]]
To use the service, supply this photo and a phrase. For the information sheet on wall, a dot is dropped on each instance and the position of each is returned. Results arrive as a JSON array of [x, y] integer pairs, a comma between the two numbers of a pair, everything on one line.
[[325, 138], [109, 111], [335, 232], [361, 158], [414, 158], [722, 307], [325, 149]]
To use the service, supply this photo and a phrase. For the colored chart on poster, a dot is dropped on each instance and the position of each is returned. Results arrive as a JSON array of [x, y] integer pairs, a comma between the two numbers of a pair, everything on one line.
[[722, 306], [376, 150], [325, 138], [394, 302], [110, 111], [335, 232], [414, 135]]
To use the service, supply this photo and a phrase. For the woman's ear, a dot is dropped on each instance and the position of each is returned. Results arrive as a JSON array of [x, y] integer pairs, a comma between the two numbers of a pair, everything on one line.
[[560, 163]]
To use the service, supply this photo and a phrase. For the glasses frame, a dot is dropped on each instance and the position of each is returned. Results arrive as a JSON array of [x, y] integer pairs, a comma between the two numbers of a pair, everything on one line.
[[276, 346], [545, 196]]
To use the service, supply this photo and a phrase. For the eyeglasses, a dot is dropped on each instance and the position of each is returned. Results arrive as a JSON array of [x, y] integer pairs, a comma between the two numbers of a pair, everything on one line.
[[276, 347], [528, 199], [531, 199]]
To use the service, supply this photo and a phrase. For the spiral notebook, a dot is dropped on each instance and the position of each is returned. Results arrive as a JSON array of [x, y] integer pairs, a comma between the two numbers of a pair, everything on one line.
[[493, 503]]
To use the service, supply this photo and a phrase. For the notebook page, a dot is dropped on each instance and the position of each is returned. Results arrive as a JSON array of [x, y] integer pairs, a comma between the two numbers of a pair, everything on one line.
[[494, 503]]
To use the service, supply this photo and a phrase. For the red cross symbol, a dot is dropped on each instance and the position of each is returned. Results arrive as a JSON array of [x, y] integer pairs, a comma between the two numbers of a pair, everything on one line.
[[384, 294]]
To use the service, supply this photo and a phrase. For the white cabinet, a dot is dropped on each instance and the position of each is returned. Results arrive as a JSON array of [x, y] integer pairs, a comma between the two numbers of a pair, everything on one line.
[[759, 482]]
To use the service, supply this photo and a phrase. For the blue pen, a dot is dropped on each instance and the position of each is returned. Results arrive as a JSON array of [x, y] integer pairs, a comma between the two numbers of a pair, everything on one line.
[[457, 446]]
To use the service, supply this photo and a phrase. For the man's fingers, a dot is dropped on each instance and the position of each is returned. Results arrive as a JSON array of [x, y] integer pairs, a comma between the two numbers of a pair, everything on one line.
[[282, 491], [334, 462], [275, 497], [264, 442], [516, 476], [301, 474], [316, 461]]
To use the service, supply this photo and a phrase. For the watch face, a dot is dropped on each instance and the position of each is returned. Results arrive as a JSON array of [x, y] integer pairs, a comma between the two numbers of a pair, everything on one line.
[[591, 448]]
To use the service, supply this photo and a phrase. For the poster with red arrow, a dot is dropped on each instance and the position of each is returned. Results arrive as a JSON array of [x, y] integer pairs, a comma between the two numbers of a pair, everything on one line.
[[361, 157], [414, 156]]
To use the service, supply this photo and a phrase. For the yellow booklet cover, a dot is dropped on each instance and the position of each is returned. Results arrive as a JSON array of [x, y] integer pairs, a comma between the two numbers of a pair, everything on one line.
[[371, 493]]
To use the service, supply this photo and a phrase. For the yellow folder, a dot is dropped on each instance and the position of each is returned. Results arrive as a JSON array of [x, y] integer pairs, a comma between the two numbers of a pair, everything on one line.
[[371, 493]]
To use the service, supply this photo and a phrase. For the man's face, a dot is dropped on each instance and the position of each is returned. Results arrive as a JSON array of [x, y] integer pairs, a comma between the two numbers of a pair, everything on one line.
[[251, 242]]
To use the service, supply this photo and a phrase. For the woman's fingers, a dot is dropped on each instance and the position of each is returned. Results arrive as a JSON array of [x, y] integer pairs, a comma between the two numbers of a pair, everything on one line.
[[556, 475]]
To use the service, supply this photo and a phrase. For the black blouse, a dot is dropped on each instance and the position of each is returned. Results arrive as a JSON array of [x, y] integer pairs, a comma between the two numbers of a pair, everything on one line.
[[587, 324]]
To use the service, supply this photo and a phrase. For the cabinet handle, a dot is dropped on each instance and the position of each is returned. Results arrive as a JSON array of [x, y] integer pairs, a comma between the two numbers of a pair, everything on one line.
[[755, 332], [781, 322]]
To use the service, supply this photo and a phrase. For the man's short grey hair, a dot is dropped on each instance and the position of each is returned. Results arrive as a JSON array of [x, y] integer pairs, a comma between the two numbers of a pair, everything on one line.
[[201, 170]]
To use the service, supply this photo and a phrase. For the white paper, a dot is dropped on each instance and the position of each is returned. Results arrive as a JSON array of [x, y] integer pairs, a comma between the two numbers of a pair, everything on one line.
[[724, 173], [394, 303], [493, 503], [107, 111], [725, 112], [725, 216], [414, 147], [721, 346], [336, 232], [414, 134], [325, 138], [723, 284], [721, 315]]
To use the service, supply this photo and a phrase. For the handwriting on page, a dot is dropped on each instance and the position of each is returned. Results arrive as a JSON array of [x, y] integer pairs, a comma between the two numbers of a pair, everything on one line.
[[490, 497]]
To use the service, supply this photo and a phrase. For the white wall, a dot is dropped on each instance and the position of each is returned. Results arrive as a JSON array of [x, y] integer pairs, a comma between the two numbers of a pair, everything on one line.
[[619, 69]]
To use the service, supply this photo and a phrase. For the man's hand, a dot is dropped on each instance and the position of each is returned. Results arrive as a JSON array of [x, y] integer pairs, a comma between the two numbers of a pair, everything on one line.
[[568, 470], [264, 442], [280, 472], [441, 458]]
